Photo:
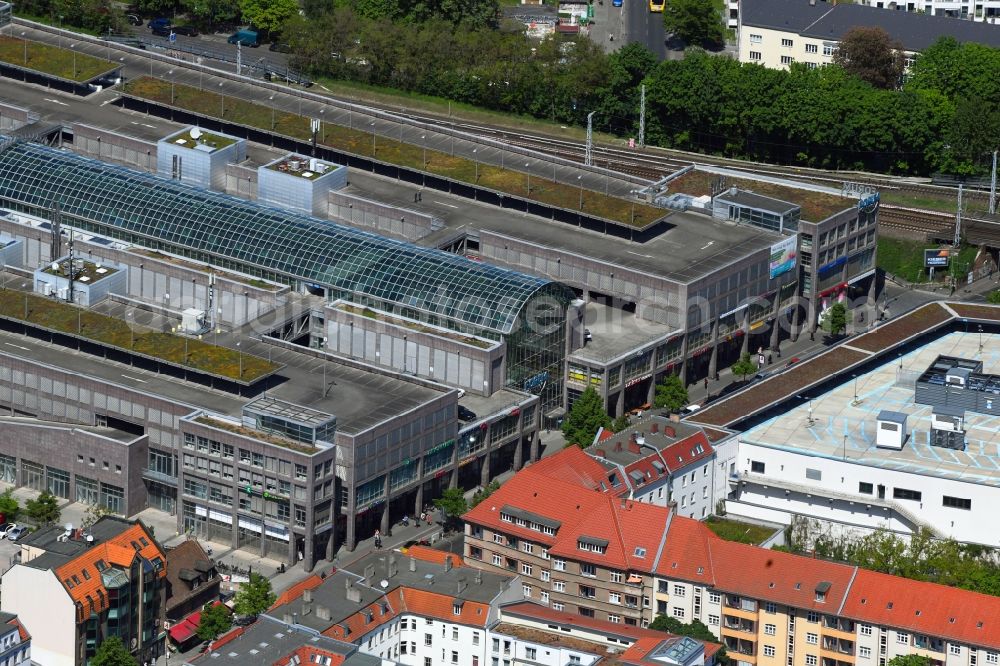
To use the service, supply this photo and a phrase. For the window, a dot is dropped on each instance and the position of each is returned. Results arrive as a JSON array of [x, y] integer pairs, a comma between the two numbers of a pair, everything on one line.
[[428, 639], [616, 576], [757, 467], [531, 653], [787, 60], [828, 49], [814, 474], [810, 660], [614, 598], [544, 575], [755, 55], [497, 560], [588, 570], [558, 586], [812, 638], [588, 592], [557, 606], [770, 629], [559, 565], [865, 488], [902, 638], [527, 547], [812, 48], [714, 598], [526, 589], [769, 607], [957, 503], [678, 612], [903, 493], [525, 569], [865, 652], [713, 620], [787, 43], [813, 616], [865, 629], [679, 590], [544, 597], [768, 650], [954, 648], [756, 39]]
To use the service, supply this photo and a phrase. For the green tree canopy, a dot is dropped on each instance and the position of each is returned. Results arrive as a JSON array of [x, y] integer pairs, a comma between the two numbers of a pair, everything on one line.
[[695, 21], [585, 418], [452, 503], [670, 394], [483, 493], [743, 367], [834, 319], [268, 15], [43, 510], [255, 596], [696, 629], [215, 619], [871, 54], [9, 506], [910, 660], [620, 423], [211, 12], [111, 652]]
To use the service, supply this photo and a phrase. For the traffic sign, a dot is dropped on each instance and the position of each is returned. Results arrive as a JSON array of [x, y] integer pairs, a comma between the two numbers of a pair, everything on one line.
[[173, 36]]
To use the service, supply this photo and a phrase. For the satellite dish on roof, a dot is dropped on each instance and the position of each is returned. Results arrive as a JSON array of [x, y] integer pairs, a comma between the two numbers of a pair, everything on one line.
[[383, 583], [195, 133]]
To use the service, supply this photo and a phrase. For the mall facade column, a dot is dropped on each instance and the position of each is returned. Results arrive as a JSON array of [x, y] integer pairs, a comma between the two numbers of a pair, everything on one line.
[[713, 361]]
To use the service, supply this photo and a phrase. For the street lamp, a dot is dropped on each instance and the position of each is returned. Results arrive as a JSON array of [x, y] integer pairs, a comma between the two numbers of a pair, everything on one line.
[[24, 38], [476, 160], [423, 138], [171, 75], [223, 100], [322, 128], [579, 180], [24, 288], [131, 332], [855, 388], [372, 125], [72, 47], [239, 350], [980, 338], [528, 174], [271, 100]]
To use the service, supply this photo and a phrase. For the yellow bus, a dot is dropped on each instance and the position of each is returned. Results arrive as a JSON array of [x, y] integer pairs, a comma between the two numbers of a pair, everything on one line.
[[655, 6]]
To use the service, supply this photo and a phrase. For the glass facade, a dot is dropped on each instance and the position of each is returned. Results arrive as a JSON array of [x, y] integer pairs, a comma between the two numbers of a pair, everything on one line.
[[208, 226], [86, 490], [57, 482]]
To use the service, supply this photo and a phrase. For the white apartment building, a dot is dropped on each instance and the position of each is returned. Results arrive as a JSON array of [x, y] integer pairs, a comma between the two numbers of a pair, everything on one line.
[[976, 10], [777, 33]]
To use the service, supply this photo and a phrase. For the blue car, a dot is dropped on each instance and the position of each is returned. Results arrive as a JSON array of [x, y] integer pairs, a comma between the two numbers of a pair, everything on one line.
[[616, 3], [159, 24]]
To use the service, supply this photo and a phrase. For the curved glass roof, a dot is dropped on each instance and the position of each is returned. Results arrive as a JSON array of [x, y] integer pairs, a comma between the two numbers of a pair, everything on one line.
[[296, 245]]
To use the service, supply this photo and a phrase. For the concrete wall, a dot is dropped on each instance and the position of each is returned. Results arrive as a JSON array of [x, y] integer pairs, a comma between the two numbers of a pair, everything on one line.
[[109, 146], [380, 218], [12, 117]]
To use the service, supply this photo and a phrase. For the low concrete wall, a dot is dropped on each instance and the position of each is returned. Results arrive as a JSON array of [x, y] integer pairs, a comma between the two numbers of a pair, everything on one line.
[[381, 218]]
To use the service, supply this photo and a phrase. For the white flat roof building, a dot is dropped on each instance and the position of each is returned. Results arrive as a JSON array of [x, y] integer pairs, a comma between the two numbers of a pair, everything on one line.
[[825, 460]]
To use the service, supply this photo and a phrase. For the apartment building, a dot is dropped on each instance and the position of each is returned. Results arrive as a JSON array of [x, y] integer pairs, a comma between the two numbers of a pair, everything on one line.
[[768, 608], [777, 33], [577, 547], [76, 588], [15, 641]]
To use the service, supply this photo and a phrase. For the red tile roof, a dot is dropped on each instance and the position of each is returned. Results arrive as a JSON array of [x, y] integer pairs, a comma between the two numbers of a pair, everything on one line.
[[433, 555], [687, 554], [925, 608], [441, 606], [295, 591], [305, 656], [573, 465], [358, 624], [21, 631]]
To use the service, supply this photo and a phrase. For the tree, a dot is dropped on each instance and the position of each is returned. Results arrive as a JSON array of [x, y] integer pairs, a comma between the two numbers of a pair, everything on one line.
[[268, 15], [255, 596], [215, 620], [670, 394], [697, 629], [94, 513], [620, 423], [993, 297], [834, 319], [743, 367], [452, 503], [694, 21], [871, 54], [9, 505], [211, 12], [44, 510], [112, 652], [910, 660], [585, 418], [483, 493]]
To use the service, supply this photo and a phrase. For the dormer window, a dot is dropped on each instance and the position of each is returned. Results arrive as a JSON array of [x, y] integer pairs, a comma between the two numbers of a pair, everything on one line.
[[592, 544], [456, 608]]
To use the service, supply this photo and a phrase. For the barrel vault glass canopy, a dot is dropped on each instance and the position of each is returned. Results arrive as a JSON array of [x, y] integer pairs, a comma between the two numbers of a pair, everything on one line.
[[155, 212]]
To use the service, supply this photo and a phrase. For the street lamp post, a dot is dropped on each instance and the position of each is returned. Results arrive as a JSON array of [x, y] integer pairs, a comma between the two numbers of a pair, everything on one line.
[[171, 75], [423, 138], [528, 174], [271, 99], [131, 332], [322, 128], [222, 97], [579, 180], [372, 125], [855, 388], [980, 338], [240, 352], [24, 287], [24, 38], [72, 47], [476, 160]]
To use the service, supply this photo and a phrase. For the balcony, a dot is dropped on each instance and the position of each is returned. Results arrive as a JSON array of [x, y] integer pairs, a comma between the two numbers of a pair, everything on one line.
[[740, 646], [840, 647], [159, 477], [738, 624]]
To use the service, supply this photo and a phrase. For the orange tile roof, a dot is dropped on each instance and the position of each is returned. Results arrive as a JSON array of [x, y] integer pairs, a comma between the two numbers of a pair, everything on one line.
[[926, 608], [305, 655], [433, 555], [638, 652], [296, 590], [687, 554], [227, 638], [21, 631], [116, 551], [440, 606], [358, 625], [573, 465]]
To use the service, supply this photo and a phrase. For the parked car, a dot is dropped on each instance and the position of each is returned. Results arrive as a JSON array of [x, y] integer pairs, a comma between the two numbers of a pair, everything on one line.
[[162, 30], [279, 47], [245, 38], [465, 414], [159, 23], [18, 532], [134, 19], [186, 30], [5, 528]]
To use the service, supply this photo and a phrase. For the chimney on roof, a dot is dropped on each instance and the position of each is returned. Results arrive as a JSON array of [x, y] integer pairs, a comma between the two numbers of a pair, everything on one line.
[[600, 452], [676, 418], [618, 446], [669, 431], [479, 577], [447, 563], [393, 568], [633, 446], [322, 613], [287, 618], [370, 573], [353, 594], [654, 428], [307, 596], [306, 609], [413, 565]]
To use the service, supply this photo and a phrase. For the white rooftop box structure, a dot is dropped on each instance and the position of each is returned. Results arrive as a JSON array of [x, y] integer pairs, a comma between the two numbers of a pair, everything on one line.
[[199, 158], [891, 431], [93, 281], [302, 184], [193, 321]]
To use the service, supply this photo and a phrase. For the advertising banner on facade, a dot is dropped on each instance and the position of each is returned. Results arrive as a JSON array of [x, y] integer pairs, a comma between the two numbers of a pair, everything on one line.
[[783, 255]]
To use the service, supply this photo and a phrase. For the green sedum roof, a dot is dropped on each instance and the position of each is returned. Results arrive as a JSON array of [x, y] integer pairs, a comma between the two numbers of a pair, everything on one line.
[[151, 210]]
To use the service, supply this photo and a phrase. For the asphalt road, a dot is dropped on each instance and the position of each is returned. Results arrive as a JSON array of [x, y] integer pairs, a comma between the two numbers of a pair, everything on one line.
[[645, 27]]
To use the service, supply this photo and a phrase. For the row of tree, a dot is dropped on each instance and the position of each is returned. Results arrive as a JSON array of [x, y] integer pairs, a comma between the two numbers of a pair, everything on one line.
[[919, 557], [854, 115]]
